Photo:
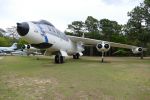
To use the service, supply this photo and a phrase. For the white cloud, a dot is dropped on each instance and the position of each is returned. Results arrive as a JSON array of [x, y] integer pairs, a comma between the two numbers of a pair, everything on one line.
[[63, 12]]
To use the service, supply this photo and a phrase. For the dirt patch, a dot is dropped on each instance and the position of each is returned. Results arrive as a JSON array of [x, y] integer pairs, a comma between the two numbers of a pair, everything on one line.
[[90, 95], [18, 82], [30, 87], [1, 58]]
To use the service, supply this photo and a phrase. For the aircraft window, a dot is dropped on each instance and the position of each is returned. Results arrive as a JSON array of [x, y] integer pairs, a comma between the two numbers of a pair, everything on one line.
[[49, 28], [43, 22], [52, 31], [62, 35], [40, 28], [57, 32], [43, 28]]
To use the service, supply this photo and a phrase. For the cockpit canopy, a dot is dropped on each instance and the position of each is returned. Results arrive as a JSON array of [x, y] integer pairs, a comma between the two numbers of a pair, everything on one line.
[[43, 22]]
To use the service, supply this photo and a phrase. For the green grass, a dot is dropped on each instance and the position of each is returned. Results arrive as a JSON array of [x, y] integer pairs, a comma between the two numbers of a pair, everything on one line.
[[120, 78]]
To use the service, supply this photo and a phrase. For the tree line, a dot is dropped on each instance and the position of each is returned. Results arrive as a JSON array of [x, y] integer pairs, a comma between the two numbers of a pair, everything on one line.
[[135, 32], [10, 36]]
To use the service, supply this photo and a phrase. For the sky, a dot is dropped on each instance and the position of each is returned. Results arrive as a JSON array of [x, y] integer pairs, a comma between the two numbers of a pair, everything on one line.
[[63, 12]]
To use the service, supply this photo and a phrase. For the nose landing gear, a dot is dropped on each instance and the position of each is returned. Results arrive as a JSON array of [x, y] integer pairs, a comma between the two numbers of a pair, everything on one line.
[[76, 56], [59, 59]]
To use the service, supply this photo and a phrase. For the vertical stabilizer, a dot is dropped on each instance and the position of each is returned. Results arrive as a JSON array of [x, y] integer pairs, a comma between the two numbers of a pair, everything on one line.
[[14, 46]]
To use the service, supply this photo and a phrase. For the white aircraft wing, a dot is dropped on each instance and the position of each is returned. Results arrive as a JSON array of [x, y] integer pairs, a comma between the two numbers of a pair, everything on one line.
[[88, 41]]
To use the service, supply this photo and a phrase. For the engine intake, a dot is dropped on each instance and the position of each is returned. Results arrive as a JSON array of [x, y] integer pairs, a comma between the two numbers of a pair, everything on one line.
[[99, 46], [26, 46], [106, 46], [103, 46], [137, 50]]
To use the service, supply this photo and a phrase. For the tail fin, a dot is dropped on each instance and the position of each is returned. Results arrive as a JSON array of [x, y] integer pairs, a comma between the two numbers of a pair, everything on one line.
[[14, 45]]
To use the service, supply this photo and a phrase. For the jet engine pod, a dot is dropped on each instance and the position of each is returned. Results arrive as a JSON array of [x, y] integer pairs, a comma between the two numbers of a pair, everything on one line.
[[22, 28], [137, 50], [26, 46], [103, 46]]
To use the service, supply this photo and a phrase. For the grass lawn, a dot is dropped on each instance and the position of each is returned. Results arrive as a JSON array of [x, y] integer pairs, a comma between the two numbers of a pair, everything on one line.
[[119, 78]]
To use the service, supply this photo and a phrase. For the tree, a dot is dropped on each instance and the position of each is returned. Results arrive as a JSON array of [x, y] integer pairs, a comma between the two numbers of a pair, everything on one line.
[[1, 35], [91, 24], [21, 42], [138, 25], [109, 29], [4, 41], [92, 28], [12, 32], [77, 27], [1, 32]]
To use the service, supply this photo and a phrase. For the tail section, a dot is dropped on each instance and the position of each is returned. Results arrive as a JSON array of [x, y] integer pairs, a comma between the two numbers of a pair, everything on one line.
[[14, 46]]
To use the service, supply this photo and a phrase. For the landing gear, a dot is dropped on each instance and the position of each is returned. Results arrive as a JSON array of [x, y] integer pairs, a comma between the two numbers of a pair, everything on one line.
[[141, 55], [102, 57], [59, 59], [56, 59], [76, 56]]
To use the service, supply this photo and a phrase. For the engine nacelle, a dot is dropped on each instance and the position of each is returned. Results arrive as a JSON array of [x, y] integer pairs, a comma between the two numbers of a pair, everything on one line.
[[26, 46], [103, 46], [137, 50]]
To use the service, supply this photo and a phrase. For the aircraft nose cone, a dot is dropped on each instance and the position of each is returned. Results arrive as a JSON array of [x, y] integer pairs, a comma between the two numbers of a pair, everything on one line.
[[22, 28]]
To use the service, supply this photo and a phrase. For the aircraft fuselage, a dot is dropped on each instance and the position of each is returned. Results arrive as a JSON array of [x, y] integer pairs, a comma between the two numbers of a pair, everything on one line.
[[44, 35]]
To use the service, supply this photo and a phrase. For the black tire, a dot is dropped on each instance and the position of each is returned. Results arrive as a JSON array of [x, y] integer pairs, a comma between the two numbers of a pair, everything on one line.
[[56, 59], [77, 56], [61, 59], [74, 56]]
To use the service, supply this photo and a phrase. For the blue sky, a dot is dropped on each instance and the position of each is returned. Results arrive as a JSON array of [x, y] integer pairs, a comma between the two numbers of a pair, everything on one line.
[[63, 12]]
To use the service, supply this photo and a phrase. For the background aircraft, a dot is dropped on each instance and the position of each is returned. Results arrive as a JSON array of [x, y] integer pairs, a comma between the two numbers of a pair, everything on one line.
[[8, 49], [43, 35], [28, 49], [19, 52]]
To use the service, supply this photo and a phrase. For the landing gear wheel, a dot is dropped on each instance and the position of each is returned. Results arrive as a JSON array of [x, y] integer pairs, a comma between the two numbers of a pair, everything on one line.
[[76, 56], [57, 59], [61, 59]]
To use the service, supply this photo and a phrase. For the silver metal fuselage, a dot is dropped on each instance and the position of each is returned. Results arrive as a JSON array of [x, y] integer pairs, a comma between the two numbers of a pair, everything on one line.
[[43, 33]]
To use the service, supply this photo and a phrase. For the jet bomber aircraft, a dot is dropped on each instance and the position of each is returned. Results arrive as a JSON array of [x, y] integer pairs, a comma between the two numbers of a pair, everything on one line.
[[43, 35]]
